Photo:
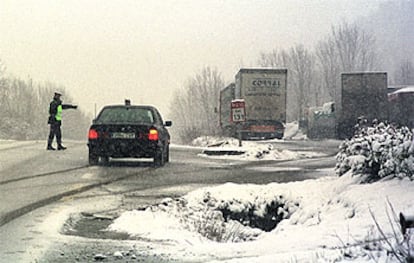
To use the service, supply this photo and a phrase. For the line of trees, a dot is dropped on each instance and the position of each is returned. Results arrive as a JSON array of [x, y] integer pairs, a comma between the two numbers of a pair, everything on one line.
[[24, 110], [314, 75], [313, 78]]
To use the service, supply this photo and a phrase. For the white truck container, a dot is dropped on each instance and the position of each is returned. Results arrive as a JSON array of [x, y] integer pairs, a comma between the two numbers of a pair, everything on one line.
[[264, 93]]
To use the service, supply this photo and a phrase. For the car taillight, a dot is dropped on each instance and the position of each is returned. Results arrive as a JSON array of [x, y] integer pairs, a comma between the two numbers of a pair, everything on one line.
[[153, 135], [93, 134]]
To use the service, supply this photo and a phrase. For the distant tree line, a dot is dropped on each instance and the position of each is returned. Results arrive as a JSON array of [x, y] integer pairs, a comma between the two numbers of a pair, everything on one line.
[[24, 110], [313, 72], [313, 79], [314, 75]]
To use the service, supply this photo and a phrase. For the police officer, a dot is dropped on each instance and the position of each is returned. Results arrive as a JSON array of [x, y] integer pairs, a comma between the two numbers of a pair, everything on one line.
[[55, 121]]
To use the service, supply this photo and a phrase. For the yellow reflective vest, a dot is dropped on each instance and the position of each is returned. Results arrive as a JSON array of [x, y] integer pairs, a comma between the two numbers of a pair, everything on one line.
[[58, 115]]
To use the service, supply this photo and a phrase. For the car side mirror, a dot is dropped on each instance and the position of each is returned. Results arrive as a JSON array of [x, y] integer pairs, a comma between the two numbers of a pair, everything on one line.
[[168, 123]]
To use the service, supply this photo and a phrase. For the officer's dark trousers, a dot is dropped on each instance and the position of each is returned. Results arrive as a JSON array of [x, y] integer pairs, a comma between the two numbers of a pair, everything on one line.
[[55, 131]]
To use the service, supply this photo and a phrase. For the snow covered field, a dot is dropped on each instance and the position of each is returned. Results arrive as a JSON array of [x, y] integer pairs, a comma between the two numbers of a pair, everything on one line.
[[324, 219], [331, 219]]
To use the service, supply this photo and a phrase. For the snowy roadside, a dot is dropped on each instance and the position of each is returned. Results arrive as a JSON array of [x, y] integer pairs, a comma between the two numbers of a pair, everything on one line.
[[228, 148], [317, 217], [329, 219]]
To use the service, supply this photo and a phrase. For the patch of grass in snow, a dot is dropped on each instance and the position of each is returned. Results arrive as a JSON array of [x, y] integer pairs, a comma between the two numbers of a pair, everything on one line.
[[264, 216], [399, 246], [380, 244], [230, 220]]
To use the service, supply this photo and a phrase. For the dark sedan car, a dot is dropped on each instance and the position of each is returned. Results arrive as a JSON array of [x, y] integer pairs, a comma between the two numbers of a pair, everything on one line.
[[129, 131]]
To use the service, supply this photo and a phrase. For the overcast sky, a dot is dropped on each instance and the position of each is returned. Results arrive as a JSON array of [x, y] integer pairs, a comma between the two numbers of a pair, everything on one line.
[[104, 51]]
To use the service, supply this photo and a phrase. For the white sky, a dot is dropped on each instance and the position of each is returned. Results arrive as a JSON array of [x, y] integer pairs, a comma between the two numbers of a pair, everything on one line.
[[104, 51]]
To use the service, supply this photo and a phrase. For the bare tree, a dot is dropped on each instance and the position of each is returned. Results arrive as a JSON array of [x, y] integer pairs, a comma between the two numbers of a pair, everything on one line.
[[405, 74], [24, 111], [272, 59], [3, 90], [356, 48], [328, 67], [300, 64], [2, 74], [302, 70], [347, 49], [314, 77], [193, 108]]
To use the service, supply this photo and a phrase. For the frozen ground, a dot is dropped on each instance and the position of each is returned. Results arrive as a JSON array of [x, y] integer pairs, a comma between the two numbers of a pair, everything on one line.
[[327, 219], [331, 219]]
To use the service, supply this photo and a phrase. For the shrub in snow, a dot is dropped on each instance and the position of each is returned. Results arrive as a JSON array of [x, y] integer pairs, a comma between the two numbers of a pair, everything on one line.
[[233, 220], [379, 151], [260, 214]]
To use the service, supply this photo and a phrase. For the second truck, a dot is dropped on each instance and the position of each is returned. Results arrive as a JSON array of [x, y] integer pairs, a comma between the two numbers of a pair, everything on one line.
[[264, 93]]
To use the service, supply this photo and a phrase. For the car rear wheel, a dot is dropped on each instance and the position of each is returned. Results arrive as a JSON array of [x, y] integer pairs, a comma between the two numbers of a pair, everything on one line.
[[93, 159], [159, 158], [105, 160], [167, 154]]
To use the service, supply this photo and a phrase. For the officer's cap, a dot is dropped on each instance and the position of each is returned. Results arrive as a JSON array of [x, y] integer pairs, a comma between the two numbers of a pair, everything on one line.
[[57, 93]]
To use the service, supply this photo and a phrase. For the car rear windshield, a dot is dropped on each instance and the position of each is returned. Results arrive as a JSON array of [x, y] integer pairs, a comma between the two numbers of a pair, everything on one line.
[[125, 114]]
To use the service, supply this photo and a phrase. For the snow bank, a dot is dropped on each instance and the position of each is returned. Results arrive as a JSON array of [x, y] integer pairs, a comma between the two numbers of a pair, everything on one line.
[[250, 151], [324, 213], [329, 219]]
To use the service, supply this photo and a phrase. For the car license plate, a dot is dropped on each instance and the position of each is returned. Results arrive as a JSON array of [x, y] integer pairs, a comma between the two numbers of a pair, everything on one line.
[[123, 135]]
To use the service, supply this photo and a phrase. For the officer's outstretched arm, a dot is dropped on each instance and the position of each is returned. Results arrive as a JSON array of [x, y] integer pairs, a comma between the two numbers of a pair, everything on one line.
[[69, 106]]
